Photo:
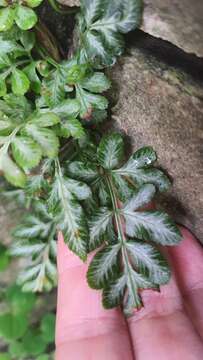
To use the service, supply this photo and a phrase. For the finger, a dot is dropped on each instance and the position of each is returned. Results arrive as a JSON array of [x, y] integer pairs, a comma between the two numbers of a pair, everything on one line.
[[162, 329], [187, 260], [84, 330]]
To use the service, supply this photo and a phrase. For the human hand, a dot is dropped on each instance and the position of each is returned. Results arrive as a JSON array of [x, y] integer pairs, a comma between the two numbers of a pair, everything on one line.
[[169, 327]]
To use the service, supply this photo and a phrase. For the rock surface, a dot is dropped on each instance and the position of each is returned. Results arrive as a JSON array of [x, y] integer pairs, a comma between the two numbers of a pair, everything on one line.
[[161, 106], [180, 22], [9, 217], [69, 2]]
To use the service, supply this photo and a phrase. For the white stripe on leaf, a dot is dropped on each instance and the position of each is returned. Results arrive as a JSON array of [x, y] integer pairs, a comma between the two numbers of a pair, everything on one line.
[[24, 248], [152, 225], [139, 168], [79, 189], [98, 225], [111, 151], [149, 262], [143, 197], [102, 268], [114, 292]]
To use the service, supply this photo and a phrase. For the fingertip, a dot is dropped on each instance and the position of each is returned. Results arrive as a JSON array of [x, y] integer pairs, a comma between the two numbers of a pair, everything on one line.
[[60, 243], [186, 233], [65, 258], [187, 260], [61, 250], [80, 315]]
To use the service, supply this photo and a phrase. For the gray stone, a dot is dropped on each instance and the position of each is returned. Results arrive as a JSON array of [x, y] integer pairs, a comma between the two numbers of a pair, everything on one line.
[[70, 2], [9, 217], [161, 106], [180, 22]]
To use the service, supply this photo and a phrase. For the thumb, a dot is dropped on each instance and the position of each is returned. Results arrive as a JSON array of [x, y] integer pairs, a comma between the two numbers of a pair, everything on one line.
[[83, 327]]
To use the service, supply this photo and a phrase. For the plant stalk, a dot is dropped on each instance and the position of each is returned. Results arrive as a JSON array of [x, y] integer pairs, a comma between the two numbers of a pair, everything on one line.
[[121, 234]]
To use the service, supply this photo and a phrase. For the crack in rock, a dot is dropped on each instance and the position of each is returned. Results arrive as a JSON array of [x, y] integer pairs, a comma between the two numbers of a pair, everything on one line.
[[167, 52], [179, 22]]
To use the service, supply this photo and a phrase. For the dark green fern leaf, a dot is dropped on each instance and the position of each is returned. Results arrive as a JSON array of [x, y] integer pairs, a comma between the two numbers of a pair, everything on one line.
[[35, 240], [101, 25], [125, 266]]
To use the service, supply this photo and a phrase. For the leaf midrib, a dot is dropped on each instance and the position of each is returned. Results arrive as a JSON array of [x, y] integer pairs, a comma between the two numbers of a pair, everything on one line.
[[65, 203], [121, 235]]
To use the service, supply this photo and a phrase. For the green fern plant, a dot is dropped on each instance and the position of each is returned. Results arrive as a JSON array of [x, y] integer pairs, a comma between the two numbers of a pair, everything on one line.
[[101, 24], [128, 260], [36, 240], [70, 177]]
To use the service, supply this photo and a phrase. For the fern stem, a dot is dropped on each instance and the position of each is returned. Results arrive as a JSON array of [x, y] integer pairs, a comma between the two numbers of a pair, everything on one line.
[[47, 40], [5, 147], [121, 234]]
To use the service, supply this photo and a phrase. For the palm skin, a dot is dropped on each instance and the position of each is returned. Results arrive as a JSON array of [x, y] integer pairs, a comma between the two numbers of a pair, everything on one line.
[[169, 327]]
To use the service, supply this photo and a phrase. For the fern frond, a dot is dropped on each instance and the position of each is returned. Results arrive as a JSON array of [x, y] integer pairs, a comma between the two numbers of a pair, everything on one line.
[[124, 266], [64, 201], [35, 240], [83, 186], [101, 25]]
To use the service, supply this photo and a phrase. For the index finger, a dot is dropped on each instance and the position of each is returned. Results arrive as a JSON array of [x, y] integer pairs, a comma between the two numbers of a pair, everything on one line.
[[84, 330], [187, 261], [162, 329]]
